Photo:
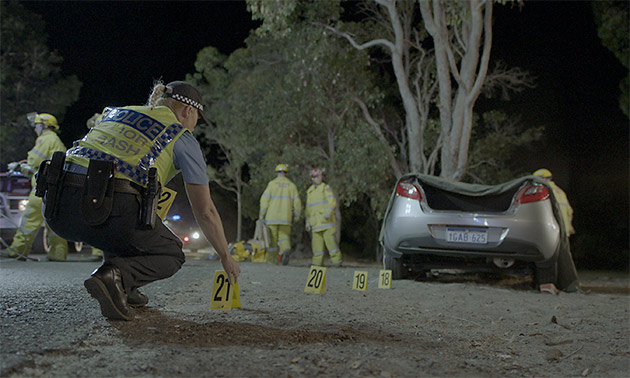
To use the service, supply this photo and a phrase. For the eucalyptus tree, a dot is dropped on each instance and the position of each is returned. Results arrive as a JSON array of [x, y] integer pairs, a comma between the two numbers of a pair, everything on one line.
[[440, 65]]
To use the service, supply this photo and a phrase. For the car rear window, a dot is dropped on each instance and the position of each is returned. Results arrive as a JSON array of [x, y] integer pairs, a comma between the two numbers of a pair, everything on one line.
[[439, 199]]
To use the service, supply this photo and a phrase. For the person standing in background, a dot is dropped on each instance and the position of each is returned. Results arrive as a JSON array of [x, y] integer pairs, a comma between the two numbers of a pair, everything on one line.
[[280, 206]]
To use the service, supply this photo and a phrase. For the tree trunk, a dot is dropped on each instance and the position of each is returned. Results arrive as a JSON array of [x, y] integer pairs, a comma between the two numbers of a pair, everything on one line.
[[239, 211], [412, 118]]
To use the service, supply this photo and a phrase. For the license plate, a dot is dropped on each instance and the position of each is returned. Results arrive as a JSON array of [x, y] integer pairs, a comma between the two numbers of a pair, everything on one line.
[[465, 235]]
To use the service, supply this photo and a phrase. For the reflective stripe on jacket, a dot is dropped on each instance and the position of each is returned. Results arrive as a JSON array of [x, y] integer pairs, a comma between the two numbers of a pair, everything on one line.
[[136, 138], [320, 207], [280, 202]]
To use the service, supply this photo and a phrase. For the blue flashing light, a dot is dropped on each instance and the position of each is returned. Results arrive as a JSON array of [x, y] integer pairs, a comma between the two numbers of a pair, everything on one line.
[[176, 217]]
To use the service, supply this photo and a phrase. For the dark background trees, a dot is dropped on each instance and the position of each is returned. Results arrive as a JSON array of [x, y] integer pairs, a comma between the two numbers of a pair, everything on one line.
[[30, 80]]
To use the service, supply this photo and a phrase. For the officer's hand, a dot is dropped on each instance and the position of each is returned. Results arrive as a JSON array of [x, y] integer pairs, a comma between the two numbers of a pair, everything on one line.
[[13, 166], [231, 268], [308, 227]]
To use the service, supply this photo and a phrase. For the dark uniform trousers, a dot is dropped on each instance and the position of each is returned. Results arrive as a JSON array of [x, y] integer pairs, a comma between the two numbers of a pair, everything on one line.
[[143, 256]]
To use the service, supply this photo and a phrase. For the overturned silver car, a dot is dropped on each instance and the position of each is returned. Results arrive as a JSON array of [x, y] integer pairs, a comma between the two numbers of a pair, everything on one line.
[[432, 223]]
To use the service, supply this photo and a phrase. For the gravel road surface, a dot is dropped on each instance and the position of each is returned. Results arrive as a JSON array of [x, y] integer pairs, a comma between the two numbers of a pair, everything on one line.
[[470, 326]]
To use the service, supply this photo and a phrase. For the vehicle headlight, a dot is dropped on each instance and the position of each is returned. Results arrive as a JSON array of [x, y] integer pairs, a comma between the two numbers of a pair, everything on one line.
[[195, 235], [22, 204]]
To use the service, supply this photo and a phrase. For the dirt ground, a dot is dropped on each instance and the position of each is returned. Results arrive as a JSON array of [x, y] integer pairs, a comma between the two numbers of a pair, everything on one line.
[[452, 325]]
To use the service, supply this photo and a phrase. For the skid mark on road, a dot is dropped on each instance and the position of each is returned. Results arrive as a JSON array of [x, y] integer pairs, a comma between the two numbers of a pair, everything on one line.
[[151, 326]]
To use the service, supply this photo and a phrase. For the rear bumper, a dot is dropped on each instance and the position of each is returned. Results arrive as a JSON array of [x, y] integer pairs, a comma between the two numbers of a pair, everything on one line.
[[531, 234]]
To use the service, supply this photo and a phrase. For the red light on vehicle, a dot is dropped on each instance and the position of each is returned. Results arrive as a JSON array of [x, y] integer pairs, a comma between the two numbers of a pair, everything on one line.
[[532, 193], [408, 190], [186, 239]]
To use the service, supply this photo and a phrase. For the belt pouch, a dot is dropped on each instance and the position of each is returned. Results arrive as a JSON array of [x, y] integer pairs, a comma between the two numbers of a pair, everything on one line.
[[53, 175], [40, 179], [98, 193]]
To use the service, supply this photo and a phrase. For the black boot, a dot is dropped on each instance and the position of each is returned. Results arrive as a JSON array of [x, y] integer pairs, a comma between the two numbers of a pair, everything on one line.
[[137, 299], [106, 287]]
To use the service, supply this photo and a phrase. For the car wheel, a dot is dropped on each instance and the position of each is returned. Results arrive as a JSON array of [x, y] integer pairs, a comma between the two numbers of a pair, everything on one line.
[[545, 275], [395, 265]]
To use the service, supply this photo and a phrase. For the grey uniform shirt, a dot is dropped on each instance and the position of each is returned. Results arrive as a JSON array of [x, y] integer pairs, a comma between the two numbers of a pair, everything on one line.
[[188, 158]]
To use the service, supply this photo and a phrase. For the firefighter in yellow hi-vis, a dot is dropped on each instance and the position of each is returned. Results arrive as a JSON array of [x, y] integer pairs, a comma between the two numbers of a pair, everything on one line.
[[561, 197], [320, 219], [280, 205], [46, 144]]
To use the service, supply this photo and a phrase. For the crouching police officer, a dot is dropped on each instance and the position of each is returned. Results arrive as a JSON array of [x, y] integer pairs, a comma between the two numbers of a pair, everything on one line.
[[106, 191]]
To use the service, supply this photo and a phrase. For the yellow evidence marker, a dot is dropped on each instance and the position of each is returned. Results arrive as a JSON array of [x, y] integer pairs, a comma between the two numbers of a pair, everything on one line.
[[224, 296], [236, 296], [316, 281], [164, 203], [360, 281], [385, 279]]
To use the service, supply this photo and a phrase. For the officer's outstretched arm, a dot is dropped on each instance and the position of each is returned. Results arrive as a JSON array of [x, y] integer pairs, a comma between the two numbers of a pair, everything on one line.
[[209, 221]]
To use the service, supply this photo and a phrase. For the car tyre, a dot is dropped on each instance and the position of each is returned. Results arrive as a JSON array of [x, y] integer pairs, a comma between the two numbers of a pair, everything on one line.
[[396, 266]]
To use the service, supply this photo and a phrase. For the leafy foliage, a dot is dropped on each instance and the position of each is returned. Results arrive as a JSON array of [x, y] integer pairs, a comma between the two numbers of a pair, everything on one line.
[[291, 100], [612, 19], [30, 79]]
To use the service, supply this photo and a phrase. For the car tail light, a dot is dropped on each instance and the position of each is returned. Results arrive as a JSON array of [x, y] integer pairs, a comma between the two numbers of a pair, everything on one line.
[[408, 190], [186, 239], [532, 193]]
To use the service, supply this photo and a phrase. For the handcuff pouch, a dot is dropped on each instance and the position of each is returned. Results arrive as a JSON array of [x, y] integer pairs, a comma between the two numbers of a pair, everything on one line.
[[51, 179], [98, 193]]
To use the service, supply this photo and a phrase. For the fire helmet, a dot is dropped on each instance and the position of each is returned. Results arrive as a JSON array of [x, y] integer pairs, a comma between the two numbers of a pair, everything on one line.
[[542, 172], [282, 168], [47, 120]]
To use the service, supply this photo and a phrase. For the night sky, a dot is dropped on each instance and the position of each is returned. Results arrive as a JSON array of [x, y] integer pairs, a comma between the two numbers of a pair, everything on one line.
[[117, 49]]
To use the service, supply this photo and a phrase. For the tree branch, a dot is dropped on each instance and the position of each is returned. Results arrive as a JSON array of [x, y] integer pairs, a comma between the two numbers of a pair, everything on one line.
[[372, 43], [392, 159]]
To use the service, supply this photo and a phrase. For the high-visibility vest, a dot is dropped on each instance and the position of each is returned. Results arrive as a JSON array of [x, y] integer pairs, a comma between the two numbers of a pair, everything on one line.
[[565, 208], [45, 145], [280, 202], [135, 138], [320, 202]]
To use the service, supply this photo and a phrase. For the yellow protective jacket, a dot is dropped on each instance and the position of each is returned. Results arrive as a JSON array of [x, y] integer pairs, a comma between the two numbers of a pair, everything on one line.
[[136, 138], [280, 202], [45, 145], [565, 207], [320, 207]]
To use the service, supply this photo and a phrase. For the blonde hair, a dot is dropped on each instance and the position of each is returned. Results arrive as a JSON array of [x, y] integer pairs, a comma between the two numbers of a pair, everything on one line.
[[156, 99]]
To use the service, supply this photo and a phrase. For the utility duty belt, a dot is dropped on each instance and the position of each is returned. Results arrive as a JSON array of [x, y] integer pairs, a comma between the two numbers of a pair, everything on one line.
[[99, 186]]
